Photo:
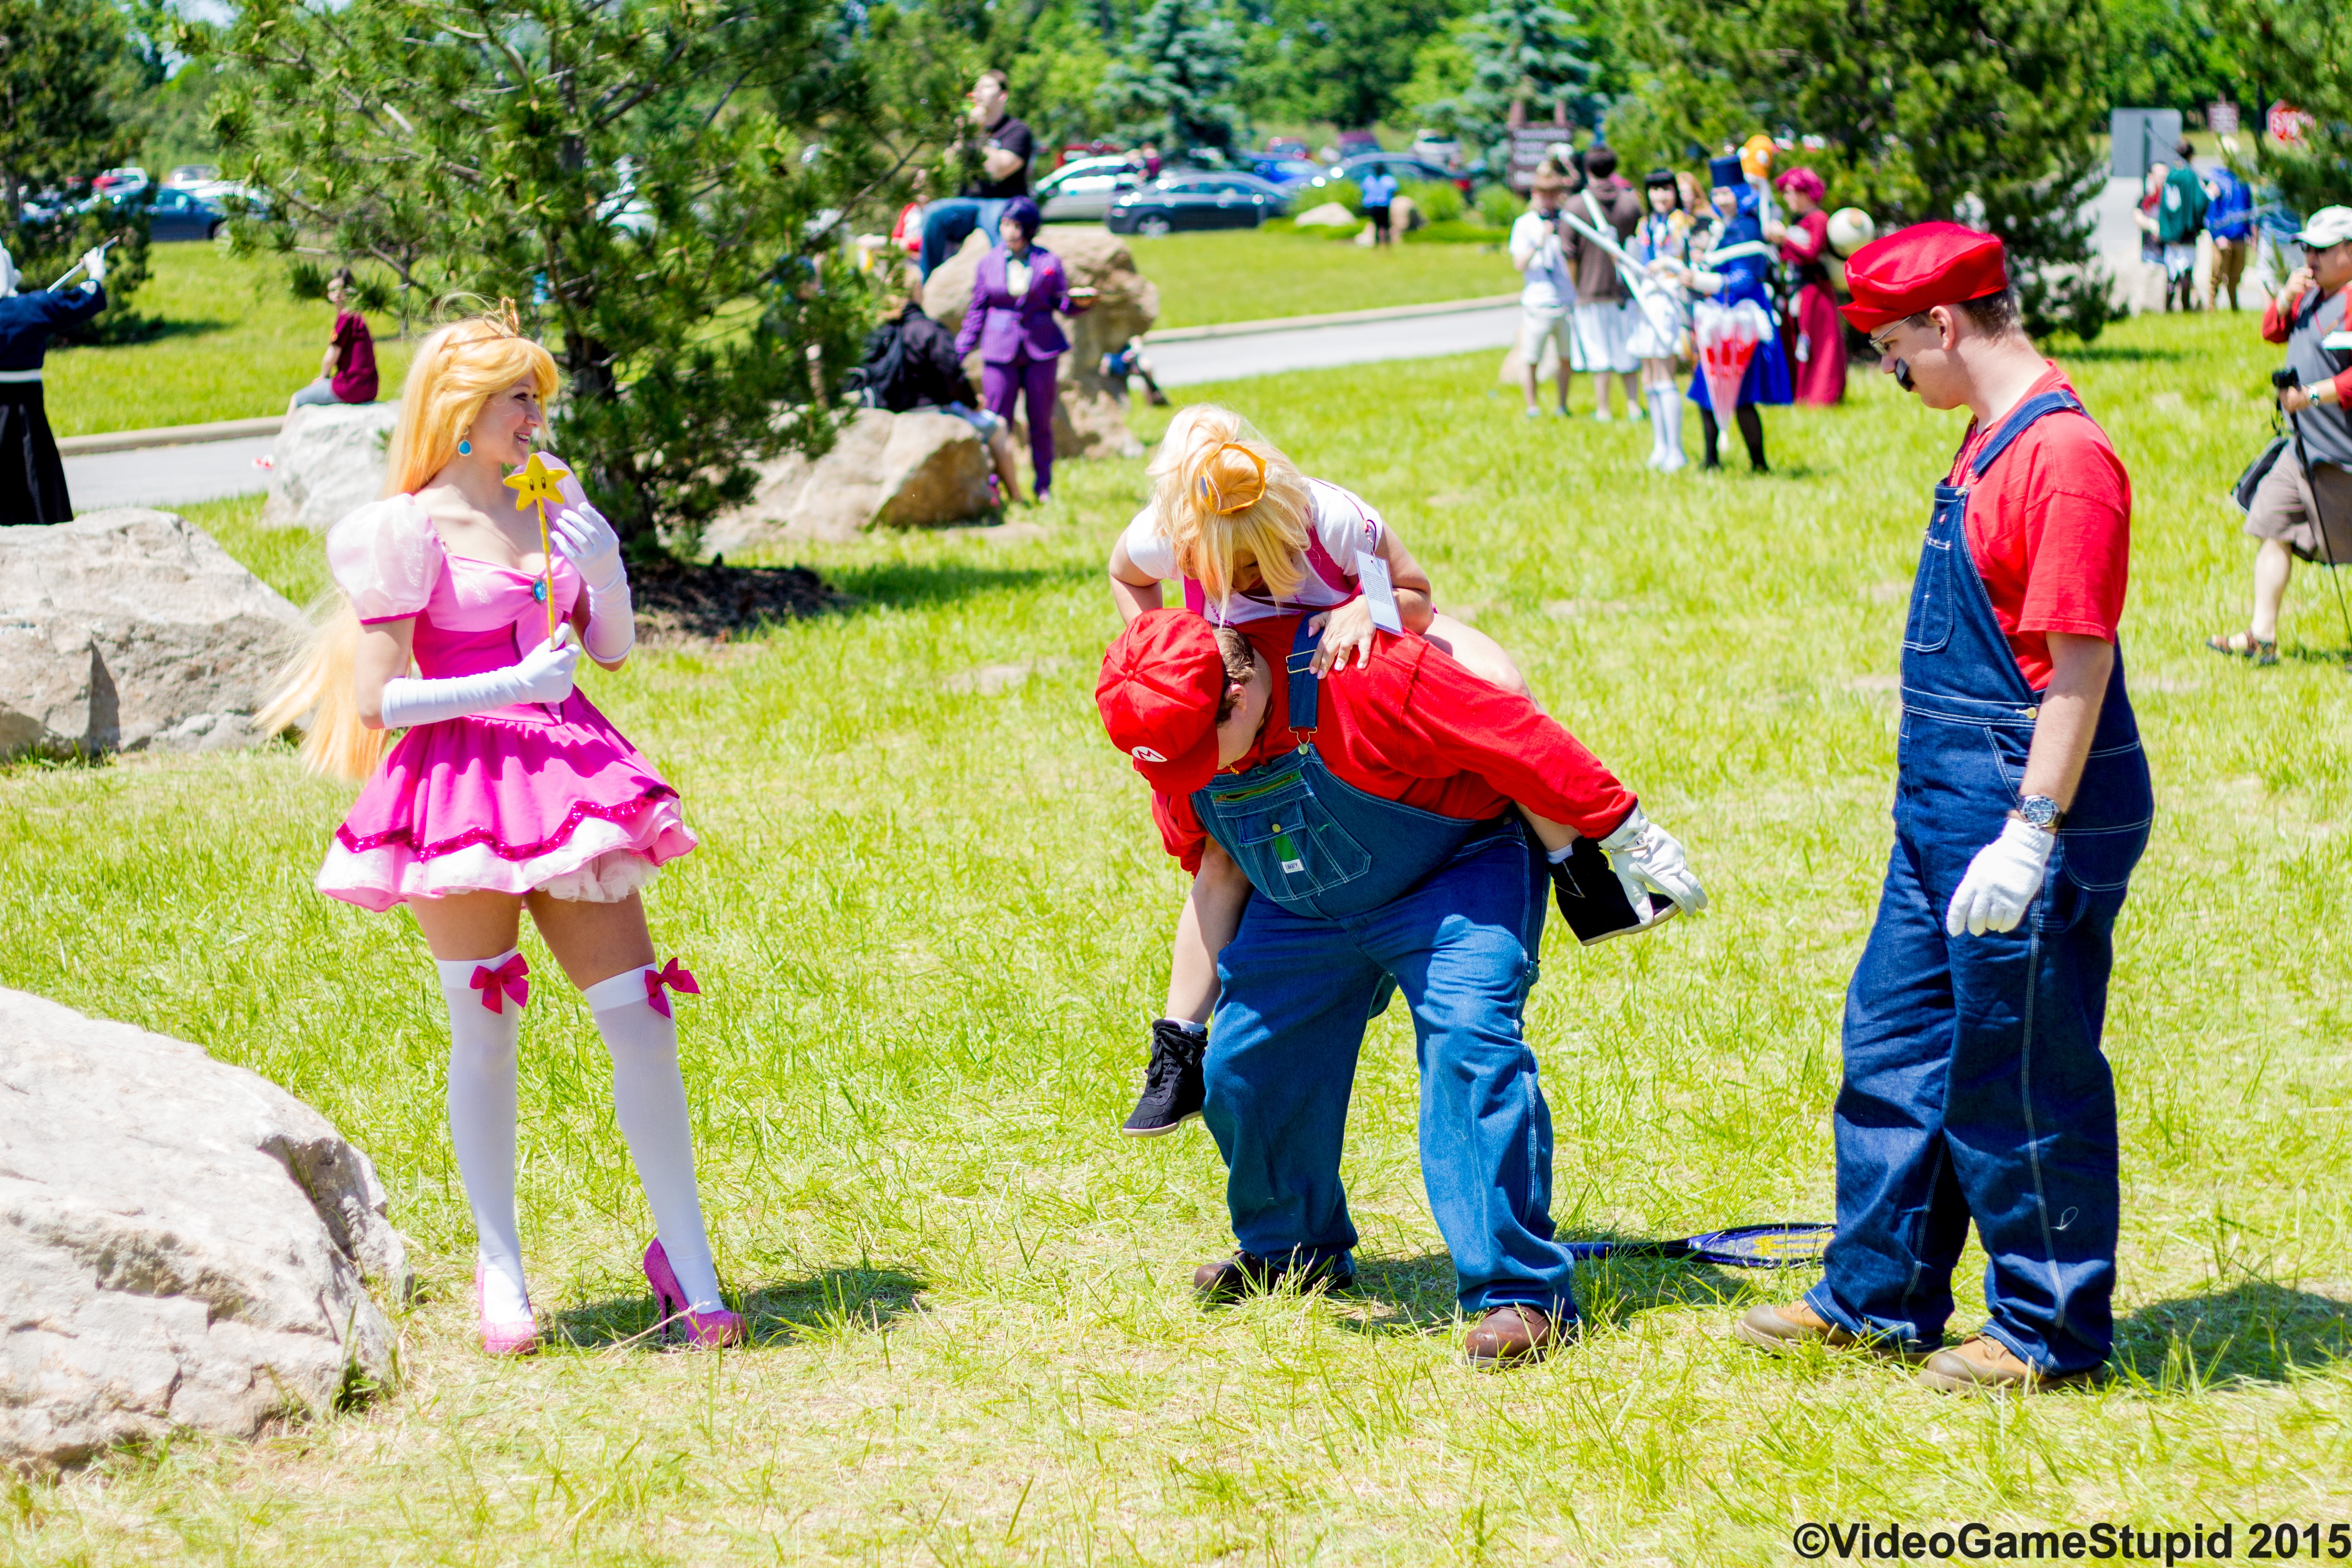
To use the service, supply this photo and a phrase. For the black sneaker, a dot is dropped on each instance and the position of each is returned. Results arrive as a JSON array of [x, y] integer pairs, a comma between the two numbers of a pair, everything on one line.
[[1244, 1275], [1593, 901], [1173, 1089]]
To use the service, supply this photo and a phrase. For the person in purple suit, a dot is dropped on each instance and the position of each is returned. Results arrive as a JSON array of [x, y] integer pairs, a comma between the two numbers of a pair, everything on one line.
[[1015, 295]]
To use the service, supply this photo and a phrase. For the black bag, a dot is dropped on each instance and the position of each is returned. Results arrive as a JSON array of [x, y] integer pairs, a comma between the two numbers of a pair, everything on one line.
[[2242, 492]]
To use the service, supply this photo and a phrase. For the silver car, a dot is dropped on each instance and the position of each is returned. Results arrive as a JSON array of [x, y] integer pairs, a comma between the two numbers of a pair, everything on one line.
[[1082, 190]]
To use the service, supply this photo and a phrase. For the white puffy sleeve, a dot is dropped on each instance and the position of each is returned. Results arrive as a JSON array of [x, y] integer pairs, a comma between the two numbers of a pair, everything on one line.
[[1150, 550], [385, 558]]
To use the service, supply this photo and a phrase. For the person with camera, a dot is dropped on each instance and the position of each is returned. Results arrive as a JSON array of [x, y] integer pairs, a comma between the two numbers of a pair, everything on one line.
[[2302, 508]]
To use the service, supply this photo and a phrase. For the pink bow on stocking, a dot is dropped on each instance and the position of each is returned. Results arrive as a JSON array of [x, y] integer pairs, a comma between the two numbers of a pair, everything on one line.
[[677, 976], [507, 977]]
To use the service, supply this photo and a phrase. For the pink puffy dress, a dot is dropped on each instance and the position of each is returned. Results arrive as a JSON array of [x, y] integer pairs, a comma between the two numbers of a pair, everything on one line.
[[526, 796]]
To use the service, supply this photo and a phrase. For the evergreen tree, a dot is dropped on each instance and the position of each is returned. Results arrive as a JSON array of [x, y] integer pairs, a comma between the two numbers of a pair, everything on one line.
[[1528, 53], [2168, 54], [1978, 110], [1176, 83], [662, 187], [1347, 61]]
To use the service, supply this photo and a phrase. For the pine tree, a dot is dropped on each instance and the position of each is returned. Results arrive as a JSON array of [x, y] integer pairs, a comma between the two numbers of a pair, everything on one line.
[[662, 188], [1175, 85], [1526, 53], [2295, 48]]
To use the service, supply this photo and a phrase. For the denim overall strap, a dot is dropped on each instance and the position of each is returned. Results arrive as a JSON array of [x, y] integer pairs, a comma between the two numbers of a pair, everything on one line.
[[1304, 708], [1974, 1089]]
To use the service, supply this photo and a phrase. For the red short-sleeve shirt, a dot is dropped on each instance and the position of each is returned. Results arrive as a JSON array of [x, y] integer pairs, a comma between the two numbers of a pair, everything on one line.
[[2049, 529]]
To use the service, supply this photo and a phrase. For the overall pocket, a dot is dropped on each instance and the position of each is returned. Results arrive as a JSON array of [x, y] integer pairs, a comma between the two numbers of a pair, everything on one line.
[[1929, 627], [1287, 843], [2108, 830]]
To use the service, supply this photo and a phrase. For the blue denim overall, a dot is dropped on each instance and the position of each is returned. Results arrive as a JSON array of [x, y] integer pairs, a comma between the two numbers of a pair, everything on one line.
[[1974, 1086], [1354, 896]]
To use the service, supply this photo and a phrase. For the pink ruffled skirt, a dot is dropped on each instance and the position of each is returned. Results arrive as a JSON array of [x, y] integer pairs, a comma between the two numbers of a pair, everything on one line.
[[507, 803]]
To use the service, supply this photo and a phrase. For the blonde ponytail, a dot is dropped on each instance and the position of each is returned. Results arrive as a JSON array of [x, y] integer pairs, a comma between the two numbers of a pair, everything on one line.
[[319, 682], [1226, 499], [457, 369]]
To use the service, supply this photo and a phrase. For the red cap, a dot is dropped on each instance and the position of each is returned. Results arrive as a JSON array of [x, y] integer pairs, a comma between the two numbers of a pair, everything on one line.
[[1157, 693], [1919, 268]]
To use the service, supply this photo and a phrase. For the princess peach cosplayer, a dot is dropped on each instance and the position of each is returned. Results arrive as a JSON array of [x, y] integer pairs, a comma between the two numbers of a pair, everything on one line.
[[509, 792]]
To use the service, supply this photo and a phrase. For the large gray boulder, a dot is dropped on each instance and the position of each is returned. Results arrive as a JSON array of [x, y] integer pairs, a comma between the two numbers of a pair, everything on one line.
[[1090, 409], [128, 629], [182, 1244], [917, 469], [328, 462]]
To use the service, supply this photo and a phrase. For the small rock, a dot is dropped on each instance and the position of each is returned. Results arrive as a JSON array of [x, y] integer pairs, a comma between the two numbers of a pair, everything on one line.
[[128, 628], [182, 1245], [1330, 214], [328, 462]]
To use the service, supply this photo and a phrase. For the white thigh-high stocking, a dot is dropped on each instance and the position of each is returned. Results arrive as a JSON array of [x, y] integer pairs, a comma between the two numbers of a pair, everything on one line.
[[1670, 419], [649, 1098], [482, 1117]]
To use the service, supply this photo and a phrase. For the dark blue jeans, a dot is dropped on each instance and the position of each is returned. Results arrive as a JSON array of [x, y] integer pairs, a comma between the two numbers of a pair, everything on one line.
[[1281, 1064], [948, 224], [1975, 1087]]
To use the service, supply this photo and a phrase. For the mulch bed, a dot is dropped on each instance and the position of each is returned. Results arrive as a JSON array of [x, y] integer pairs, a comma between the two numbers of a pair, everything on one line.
[[678, 599]]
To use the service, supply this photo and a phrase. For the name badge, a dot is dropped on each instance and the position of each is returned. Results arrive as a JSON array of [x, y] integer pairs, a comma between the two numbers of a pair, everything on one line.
[[1379, 592], [2338, 341]]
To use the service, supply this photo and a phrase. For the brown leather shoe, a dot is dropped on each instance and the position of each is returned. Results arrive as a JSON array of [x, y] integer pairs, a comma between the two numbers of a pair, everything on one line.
[[1780, 1329], [1981, 1364], [1513, 1335], [1229, 1279]]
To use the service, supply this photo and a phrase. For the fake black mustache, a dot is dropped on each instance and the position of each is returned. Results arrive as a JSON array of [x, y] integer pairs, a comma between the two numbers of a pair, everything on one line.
[[1902, 375]]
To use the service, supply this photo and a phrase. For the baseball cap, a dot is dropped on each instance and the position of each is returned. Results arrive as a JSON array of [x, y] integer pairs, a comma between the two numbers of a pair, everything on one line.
[[2327, 226], [1157, 693], [1917, 269]]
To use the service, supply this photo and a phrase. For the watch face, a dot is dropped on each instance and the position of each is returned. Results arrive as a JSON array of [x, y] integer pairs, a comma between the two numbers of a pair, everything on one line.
[[2039, 810]]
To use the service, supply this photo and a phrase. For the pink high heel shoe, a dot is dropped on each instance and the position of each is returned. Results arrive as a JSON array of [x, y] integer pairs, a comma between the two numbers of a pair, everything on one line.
[[710, 1329], [514, 1336]]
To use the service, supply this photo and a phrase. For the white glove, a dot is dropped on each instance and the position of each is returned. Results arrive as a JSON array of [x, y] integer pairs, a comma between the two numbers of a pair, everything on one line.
[[588, 542], [2002, 881], [1648, 861], [543, 676], [94, 263]]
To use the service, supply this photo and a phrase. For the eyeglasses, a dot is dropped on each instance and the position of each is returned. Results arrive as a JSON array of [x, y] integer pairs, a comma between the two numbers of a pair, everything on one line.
[[1883, 346]]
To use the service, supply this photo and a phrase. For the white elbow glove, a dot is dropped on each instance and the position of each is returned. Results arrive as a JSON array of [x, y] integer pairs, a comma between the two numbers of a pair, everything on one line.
[[543, 676], [588, 542], [2002, 881], [94, 263], [1648, 861]]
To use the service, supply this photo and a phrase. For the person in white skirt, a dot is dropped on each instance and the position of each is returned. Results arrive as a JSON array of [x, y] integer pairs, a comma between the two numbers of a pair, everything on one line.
[[1661, 316]]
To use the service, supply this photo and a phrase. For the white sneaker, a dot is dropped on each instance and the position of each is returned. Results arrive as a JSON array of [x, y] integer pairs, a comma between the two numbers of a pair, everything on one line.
[[1600, 417]]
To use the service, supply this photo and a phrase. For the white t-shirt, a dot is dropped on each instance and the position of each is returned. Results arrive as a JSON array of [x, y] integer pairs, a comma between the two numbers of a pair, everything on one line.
[[1345, 526], [1549, 286]]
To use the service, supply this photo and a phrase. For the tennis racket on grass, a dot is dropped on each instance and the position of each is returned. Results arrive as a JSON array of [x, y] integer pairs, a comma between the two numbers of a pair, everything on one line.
[[1742, 1246]]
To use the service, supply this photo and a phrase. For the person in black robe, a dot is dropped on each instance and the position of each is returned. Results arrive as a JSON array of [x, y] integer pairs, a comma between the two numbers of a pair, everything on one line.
[[32, 475]]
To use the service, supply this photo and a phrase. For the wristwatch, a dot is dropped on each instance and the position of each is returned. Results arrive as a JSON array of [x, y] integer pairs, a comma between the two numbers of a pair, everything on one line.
[[2040, 811]]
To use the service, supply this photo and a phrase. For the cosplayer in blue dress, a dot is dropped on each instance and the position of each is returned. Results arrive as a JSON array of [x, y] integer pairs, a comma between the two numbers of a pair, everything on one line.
[[1739, 266]]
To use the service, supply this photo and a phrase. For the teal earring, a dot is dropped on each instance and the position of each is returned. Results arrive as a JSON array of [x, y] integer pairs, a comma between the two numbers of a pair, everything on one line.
[[465, 448]]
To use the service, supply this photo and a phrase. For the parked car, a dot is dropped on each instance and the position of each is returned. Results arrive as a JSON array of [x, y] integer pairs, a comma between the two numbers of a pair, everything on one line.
[[188, 176], [1356, 143], [1197, 198], [1082, 191], [181, 215], [116, 185], [1290, 173], [1285, 147], [1075, 151], [1408, 169]]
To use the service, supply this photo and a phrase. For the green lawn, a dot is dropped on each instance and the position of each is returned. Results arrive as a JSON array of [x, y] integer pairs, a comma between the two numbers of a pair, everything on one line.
[[234, 346], [930, 917], [1246, 276]]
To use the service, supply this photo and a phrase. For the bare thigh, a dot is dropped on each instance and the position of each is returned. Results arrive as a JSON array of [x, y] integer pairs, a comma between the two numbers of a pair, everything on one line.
[[1479, 654], [591, 942]]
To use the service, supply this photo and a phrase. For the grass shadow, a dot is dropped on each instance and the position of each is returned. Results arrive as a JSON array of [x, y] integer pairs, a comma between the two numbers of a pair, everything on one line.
[[835, 1300], [2253, 1333], [1611, 1291], [910, 586], [2118, 353], [1402, 1295]]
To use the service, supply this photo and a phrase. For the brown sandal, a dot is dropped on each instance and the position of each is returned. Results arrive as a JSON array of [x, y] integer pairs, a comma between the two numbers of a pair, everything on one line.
[[2246, 645]]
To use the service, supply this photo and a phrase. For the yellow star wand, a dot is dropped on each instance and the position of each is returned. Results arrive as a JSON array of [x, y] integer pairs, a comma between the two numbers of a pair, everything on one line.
[[536, 485]]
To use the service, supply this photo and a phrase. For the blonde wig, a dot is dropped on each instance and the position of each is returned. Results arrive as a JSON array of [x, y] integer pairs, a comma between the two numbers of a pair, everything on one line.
[[457, 370], [1227, 499]]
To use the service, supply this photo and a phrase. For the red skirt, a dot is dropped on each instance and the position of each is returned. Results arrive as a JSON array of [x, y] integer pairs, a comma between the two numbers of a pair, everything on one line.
[[1820, 374]]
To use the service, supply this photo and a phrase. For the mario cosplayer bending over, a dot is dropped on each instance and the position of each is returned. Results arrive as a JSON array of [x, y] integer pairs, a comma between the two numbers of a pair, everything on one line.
[[1372, 813]]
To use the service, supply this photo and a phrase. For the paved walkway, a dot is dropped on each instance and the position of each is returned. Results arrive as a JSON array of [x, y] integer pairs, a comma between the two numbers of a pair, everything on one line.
[[182, 475]]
